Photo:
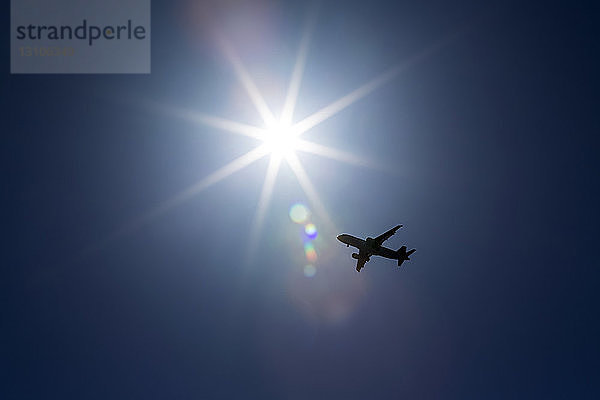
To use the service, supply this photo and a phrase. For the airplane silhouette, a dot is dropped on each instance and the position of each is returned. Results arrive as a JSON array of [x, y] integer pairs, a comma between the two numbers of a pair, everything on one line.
[[373, 247]]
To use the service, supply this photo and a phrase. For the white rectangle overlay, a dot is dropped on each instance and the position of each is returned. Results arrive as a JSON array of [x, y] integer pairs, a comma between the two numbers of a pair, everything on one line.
[[80, 37]]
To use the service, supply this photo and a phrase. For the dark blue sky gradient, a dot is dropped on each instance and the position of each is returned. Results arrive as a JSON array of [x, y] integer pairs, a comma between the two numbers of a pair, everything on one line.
[[491, 152]]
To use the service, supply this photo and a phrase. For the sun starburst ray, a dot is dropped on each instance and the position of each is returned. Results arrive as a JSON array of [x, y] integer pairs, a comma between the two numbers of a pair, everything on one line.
[[247, 82], [220, 123], [263, 205], [334, 154], [292, 94], [343, 102], [217, 176], [211, 121], [364, 90], [309, 189]]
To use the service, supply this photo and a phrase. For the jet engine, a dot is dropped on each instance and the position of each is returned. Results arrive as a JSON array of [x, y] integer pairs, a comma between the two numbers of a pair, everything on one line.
[[355, 256]]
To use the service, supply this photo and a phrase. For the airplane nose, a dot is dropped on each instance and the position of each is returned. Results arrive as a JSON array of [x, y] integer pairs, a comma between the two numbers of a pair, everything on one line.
[[339, 237]]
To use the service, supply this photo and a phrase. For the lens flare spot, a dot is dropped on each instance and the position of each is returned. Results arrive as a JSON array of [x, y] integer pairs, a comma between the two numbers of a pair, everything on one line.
[[311, 254], [311, 231], [299, 213], [309, 271]]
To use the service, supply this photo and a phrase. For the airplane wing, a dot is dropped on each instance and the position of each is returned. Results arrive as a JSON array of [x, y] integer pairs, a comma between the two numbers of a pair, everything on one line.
[[385, 236], [360, 263], [361, 260]]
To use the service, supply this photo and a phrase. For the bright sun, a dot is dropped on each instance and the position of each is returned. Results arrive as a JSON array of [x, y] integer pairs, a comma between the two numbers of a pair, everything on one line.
[[280, 140]]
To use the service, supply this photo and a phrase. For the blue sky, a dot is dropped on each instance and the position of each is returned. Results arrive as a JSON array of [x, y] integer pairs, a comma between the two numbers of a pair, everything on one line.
[[485, 148]]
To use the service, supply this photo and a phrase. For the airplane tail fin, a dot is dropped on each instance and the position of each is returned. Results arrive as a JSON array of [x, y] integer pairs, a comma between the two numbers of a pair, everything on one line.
[[404, 255]]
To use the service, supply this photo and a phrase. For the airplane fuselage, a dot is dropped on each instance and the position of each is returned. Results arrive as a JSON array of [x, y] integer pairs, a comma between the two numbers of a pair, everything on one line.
[[369, 247]]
